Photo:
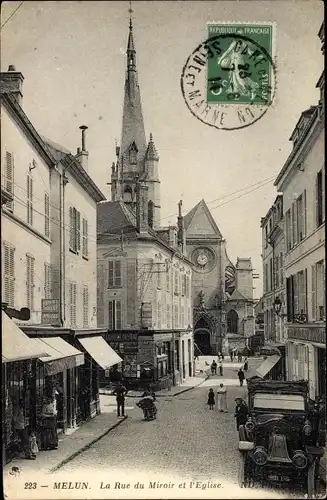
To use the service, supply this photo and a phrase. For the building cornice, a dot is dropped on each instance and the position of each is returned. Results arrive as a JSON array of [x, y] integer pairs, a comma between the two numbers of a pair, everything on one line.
[[17, 113], [25, 226]]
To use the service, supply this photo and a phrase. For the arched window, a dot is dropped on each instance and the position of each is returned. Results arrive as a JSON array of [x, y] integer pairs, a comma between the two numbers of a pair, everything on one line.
[[150, 213], [133, 154], [232, 321], [128, 194]]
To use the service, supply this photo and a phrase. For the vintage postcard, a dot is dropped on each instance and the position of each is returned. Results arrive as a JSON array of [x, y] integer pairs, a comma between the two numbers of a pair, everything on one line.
[[163, 250]]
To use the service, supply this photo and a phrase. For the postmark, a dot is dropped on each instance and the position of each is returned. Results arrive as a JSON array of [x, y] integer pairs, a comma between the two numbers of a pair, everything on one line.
[[228, 81]]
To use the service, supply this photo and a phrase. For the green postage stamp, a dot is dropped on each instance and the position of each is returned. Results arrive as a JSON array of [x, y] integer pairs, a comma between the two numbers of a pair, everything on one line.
[[228, 82]]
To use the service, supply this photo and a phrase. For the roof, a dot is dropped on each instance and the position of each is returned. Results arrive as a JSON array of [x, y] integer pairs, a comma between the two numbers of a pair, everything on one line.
[[64, 156], [26, 126], [236, 295], [296, 147], [190, 215]]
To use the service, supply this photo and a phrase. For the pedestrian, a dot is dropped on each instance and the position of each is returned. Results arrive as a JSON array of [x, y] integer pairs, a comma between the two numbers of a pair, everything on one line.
[[219, 356], [120, 393], [239, 357], [241, 412], [222, 356], [231, 356], [33, 447], [246, 365], [222, 398], [234, 353], [241, 376], [220, 368], [213, 368], [211, 399], [20, 428], [49, 436]]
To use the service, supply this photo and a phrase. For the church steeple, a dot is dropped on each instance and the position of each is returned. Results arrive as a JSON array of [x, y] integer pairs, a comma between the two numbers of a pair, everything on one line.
[[133, 125]]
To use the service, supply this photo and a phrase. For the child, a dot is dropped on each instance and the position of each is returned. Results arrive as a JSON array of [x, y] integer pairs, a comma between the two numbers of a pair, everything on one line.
[[33, 447], [211, 399]]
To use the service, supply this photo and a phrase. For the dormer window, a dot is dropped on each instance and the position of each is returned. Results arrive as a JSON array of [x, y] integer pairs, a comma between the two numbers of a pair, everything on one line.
[[133, 154]]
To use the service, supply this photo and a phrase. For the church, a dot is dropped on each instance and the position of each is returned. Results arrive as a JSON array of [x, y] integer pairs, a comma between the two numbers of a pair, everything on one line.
[[222, 293]]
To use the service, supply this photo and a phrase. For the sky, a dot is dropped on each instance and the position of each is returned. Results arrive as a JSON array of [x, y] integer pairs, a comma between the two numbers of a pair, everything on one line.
[[72, 56]]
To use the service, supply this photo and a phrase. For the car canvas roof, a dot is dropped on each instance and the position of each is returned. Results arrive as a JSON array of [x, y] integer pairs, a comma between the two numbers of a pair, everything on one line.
[[256, 384]]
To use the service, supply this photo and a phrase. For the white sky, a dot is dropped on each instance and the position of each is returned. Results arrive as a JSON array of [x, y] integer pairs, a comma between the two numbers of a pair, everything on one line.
[[72, 55]]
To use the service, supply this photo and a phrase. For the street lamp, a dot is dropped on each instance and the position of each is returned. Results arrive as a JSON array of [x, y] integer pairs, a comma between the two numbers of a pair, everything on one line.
[[277, 305]]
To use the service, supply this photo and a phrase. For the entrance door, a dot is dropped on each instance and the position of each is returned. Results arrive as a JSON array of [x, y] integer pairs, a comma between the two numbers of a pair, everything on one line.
[[202, 340]]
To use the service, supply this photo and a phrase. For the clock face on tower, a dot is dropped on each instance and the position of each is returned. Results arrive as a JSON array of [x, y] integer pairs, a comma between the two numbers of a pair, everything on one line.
[[204, 259]]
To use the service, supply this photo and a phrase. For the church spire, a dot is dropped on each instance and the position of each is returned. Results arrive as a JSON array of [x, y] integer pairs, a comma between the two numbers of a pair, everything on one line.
[[133, 130]]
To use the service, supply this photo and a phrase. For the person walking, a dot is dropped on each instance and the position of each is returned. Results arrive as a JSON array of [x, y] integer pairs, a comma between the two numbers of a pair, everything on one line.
[[241, 376], [120, 393], [231, 356], [213, 368], [246, 365], [220, 368], [241, 412], [222, 398], [222, 356], [211, 399], [239, 357]]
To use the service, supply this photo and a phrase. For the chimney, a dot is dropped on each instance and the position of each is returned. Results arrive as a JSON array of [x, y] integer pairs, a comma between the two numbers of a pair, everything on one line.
[[83, 153], [12, 83], [141, 207], [181, 237]]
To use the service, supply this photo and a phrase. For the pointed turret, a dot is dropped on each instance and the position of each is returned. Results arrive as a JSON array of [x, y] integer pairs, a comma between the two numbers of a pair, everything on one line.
[[151, 152], [133, 124]]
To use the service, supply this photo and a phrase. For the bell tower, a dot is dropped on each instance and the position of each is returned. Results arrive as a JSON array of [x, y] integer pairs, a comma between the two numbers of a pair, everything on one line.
[[136, 159]]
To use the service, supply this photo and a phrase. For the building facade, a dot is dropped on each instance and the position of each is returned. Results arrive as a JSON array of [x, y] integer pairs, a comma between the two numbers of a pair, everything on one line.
[[222, 293], [302, 181], [48, 267]]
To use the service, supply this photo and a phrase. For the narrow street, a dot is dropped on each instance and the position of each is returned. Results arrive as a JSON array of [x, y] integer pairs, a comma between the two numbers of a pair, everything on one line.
[[187, 441]]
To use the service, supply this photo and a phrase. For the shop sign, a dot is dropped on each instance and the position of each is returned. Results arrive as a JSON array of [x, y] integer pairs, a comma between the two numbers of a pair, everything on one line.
[[50, 312], [315, 334]]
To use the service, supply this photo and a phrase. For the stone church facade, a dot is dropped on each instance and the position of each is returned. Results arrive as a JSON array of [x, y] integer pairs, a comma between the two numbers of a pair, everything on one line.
[[222, 293]]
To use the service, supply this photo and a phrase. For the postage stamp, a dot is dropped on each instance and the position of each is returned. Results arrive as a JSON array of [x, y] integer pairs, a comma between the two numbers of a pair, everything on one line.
[[228, 81]]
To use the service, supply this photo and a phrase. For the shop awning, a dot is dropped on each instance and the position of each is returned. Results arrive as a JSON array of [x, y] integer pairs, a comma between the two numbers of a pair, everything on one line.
[[62, 355], [16, 346], [100, 351], [267, 365]]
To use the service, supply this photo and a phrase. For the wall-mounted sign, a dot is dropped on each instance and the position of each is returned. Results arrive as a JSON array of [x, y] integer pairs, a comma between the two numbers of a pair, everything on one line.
[[50, 312]]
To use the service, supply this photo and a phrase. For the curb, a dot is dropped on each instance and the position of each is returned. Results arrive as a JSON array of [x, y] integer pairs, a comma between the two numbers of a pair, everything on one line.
[[191, 387], [86, 446]]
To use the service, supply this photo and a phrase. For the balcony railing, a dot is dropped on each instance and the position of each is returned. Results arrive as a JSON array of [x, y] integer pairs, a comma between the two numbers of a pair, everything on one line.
[[300, 318]]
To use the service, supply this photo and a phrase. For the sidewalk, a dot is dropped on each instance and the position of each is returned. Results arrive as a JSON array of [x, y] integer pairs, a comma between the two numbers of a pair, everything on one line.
[[70, 445]]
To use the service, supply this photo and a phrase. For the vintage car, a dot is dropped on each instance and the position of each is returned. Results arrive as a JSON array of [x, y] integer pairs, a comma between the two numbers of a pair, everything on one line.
[[280, 441]]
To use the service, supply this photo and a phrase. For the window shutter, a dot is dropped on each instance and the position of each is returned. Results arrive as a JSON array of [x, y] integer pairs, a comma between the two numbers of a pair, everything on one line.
[[110, 315], [294, 224], [71, 228], [313, 291], [86, 239], [46, 215], [304, 213], [306, 291], [118, 314], [111, 274], [296, 293], [85, 306], [78, 230], [117, 273], [9, 178], [290, 305], [47, 281]]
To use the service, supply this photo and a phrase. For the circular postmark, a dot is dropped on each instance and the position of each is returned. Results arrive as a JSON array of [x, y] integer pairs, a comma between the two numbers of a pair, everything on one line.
[[228, 81]]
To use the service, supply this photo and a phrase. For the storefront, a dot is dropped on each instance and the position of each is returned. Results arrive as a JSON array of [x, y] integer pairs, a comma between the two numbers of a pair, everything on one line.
[[19, 355]]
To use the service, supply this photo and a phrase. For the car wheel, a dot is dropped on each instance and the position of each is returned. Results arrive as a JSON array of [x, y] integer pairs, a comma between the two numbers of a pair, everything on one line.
[[312, 479], [242, 470]]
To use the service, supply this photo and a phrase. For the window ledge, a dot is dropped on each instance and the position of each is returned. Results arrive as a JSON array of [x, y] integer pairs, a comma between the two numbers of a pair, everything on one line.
[[73, 251], [85, 257]]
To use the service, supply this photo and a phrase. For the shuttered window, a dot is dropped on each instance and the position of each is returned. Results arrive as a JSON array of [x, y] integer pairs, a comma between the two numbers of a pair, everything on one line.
[[30, 265], [114, 274], [85, 306], [176, 282], [8, 274], [72, 303], [74, 229], [288, 230], [46, 215], [115, 315], [47, 281], [9, 179], [29, 204], [294, 225], [320, 217], [85, 246]]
